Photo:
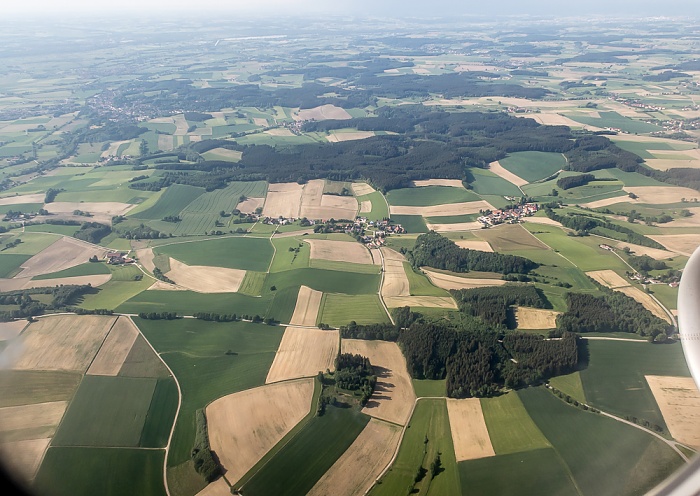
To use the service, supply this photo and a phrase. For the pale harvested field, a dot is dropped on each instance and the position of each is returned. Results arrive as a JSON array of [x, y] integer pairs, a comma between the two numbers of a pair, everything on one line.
[[542, 220], [165, 142], [454, 183], [316, 205], [204, 278], [217, 488], [101, 211], [553, 119], [63, 254], [23, 458], [37, 415], [145, 258], [357, 135], [535, 318], [306, 309], [17, 199], [322, 113], [639, 250], [469, 433], [361, 189], [684, 244], [355, 471], [420, 301], [651, 139], [663, 164], [259, 121], [164, 286], [115, 349], [393, 395], [365, 207], [447, 281], [679, 401], [339, 251], [291, 234], [474, 244], [607, 202], [391, 254], [113, 149], [303, 352], [63, 342], [662, 194], [645, 300], [283, 199], [692, 221], [249, 205], [691, 155], [395, 279], [10, 330], [443, 210], [458, 227], [181, 124], [280, 131], [498, 169], [244, 426], [609, 278], [28, 283]]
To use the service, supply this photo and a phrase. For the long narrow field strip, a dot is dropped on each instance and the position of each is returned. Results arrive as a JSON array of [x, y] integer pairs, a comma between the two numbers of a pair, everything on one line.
[[535, 318], [307, 307], [393, 395], [244, 426], [646, 300], [684, 244], [283, 200], [23, 458], [339, 251], [465, 208], [336, 137], [469, 433], [542, 220], [510, 427], [639, 250], [361, 189], [99, 211], [420, 301], [447, 281], [474, 244], [28, 283], [23, 199], [115, 349], [457, 227], [454, 183], [679, 401], [63, 254], [64, 342], [145, 258], [42, 417], [395, 281], [355, 471], [500, 171], [205, 279], [605, 202], [657, 195], [322, 113], [609, 278], [303, 353]]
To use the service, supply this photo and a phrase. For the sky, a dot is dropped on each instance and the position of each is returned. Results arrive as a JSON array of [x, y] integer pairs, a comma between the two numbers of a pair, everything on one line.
[[364, 8]]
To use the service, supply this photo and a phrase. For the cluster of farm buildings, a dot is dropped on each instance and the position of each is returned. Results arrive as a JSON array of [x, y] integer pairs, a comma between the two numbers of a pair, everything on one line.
[[508, 215]]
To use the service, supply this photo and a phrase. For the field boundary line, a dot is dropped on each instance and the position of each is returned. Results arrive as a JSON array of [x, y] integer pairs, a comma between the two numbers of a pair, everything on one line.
[[177, 412]]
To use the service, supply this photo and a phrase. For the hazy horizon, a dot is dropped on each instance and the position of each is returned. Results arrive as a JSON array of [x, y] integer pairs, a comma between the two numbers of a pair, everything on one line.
[[362, 8]]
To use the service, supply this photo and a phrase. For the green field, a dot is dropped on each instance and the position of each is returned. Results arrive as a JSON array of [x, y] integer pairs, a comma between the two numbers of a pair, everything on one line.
[[341, 309], [540, 471], [426, 388], [106, 411], [615, 120], [104, 471], [614, 379], [485, 182], [632, 464], [25, 387], [412, 223], [231, 252], [302, 462], [426, 196], [533, 166], [570, 384], [345, 266], [380, 209], [189, 303], [510, 427], [172, 202], [32, 243], [86, 269], [328, 281], [114, 293], [196, 352], [142, 362], [429, 420], [452, 219], [420, 285], [10, 263], [161, 414], [253, 283], [511, 237]]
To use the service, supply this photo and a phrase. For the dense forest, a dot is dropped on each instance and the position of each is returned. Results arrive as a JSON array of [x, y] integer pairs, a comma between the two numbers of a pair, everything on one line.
[[62, 297], [491, 304], [434, 250], [355, 373]]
